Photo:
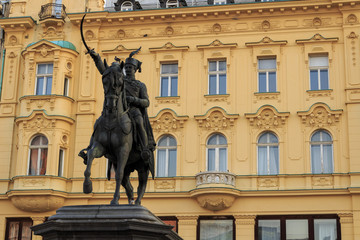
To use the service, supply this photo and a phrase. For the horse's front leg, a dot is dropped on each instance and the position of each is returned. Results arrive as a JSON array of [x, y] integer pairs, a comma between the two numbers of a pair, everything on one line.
[[122, 157], [96, 151], [128, 187]]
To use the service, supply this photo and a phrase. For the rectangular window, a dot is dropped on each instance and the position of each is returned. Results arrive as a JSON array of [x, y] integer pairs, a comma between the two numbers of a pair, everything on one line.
[[267, 75], [293, 227], [216, 228], [61, 163], [319, 72], [66, 86], [217, 77], [44, 79], [169, 80], [18, 228]]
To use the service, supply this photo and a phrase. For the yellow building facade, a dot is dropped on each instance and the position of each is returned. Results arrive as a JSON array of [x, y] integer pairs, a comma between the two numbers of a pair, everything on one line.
[[255, 107]]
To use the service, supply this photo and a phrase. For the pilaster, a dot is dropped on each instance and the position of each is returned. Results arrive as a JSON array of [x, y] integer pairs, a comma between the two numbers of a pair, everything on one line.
[[36, 221], [346, 222], [187, 226], [245, 227]]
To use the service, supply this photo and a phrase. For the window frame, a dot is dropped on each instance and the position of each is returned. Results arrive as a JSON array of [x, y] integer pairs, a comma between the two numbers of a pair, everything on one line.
[[40, 148], [61, 162], [171, 4], [45, 76], [125, 8], [310, 219], [218, 73], [217, 152], [268, 145], [21, 222], [322, 143], [169, 77], [267, 71], [220, 2], [225, 217], [66, 92], [167, 155], [318, 72]]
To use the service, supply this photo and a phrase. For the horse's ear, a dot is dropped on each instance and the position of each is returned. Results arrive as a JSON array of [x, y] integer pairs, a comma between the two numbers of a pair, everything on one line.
[[122, 64], [105, 63]]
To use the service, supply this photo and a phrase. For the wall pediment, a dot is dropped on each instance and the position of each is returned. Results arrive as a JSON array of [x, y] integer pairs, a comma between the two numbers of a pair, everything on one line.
[[167, 121], [217, 119], [320, 115], [267, 117]]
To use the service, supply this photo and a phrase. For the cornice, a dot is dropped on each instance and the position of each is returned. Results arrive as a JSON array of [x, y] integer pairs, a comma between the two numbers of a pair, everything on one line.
[[233, 11], [317, 38], [168, 46], [16, 23], [266, 41], [217, 44]]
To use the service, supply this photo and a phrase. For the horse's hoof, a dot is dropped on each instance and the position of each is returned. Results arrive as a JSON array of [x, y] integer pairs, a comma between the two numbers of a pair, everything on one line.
[[87, 187], [132, 202], [114, 202], [137, 202]]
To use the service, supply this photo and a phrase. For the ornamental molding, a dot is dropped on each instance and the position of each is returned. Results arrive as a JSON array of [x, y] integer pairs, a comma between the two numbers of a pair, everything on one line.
[[245, 219], [36, 203], [322, 181], [45, 48], [167, 121], [346, 217], [266, 41], [169, 46], [268, 182], [320, 115], [216, 119], [267, 117], [164, 184], [119, 49], [217, 44], [187, 219], [317, 38]]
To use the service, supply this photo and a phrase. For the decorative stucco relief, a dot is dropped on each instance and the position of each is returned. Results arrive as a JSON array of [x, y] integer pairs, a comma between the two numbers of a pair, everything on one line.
[[165, 184], [167, 121], [267, 117], [216, 119], [320, 115]]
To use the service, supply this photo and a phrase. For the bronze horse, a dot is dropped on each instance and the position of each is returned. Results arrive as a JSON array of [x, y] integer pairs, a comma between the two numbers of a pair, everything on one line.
[[113, 135]]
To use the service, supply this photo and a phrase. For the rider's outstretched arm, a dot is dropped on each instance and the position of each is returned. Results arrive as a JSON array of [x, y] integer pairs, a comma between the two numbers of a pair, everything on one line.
[[98, 62]]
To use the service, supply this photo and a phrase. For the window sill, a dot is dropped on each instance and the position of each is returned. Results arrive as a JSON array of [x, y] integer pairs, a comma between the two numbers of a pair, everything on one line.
[[167, 100], [260, 96], [217, 98], [320, 93]]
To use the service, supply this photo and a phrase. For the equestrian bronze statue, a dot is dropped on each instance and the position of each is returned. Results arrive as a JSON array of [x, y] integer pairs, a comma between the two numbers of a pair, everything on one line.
[[122, 133]]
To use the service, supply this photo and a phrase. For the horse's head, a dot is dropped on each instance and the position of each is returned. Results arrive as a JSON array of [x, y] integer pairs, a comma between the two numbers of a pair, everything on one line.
[[113, 82]]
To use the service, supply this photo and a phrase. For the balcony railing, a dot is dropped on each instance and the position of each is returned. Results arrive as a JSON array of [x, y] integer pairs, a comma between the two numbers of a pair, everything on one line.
[[214, 177], [52, 10]]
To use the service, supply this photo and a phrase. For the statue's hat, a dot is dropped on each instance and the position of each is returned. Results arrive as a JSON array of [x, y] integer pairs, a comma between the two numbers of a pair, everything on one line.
[[133, 61]]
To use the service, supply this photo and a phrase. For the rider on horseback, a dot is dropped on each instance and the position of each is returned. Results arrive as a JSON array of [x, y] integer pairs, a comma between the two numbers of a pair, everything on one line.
[[138, 100]]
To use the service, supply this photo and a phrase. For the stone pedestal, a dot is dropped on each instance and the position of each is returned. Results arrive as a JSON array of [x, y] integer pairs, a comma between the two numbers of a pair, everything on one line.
[[128, 222]]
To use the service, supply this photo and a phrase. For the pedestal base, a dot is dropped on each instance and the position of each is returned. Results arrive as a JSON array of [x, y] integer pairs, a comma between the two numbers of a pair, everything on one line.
[[128, 222]]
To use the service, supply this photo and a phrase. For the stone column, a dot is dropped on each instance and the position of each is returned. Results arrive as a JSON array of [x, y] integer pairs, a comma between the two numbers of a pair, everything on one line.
[[245, 227], [347, 228], [187, 226], [36, 221]]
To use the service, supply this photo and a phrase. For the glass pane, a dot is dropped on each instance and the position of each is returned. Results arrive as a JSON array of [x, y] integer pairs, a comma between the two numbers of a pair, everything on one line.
[[325, 137], [315, 159], [40, 86], [324, 79], [163, 142], [328, 159], [48, 85], [43, 161], [164, 86], [172, 141], [319, 61], [172, 163], [223, 159], [161, 163], [33, 165], [61, 162], [262, 82], [50, 68], [174, 86], [274, 160], [43, 141], [269, 230], [42, 68], [262, 161], [36, 141], [272, 81], [222, 140], [272, 138], [13, 230], [213, 140], [212, 84], [325, 229], [222, 65], [211, 159], [222, 84], [212, 66], [169, 68], [314, 81], [26, 231], [216, 229], [297, 229], [316, 137], [66, 87], [267, 63]]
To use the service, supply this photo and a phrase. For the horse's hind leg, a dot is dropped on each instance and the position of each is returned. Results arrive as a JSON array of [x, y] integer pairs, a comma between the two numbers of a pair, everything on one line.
[[95, 151], [128, 188], [122, 157], [143, 177]]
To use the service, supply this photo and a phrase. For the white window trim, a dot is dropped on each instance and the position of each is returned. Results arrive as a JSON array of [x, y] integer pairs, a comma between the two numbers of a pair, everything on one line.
[[62, 162], [167, 159], [169, 76], [217, 153], [39, 147], [268, 145], [267, 71], [322, 151], [66, 86], [319, 78], [217, 73], [45, 78], [172, 4]]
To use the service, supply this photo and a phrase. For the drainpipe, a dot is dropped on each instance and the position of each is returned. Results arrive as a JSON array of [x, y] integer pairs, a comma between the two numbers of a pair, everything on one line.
[[2, 71]]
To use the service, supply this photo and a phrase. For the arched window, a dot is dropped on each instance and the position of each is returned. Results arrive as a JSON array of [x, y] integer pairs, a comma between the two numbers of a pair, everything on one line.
[[172, 3], [38, 155], [217, 153], [166, 157], [268, 154], [321, 145], [127, 6]]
